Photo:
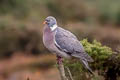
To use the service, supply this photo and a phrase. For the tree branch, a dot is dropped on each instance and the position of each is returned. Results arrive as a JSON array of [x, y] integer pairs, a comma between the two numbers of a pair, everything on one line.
[[62, 71], [70, 75]]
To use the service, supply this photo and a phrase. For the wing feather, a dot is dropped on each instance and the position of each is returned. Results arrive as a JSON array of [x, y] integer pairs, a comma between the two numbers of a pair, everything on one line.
[[68, 42]]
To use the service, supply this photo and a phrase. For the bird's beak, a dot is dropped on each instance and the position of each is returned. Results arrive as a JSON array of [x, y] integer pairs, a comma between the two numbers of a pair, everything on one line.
[[44, 22]]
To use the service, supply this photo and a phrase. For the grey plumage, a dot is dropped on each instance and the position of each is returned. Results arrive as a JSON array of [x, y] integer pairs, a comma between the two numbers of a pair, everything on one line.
[[69, 43], [63, 43]]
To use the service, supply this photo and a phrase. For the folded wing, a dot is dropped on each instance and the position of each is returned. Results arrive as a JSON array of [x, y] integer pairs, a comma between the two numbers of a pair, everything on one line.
[[68, 43]]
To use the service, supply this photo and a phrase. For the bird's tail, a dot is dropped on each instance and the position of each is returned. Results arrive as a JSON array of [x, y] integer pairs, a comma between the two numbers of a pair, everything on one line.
[[85, 63]]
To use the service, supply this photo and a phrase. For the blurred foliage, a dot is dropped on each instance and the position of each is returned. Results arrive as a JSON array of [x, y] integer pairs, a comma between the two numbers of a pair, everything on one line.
[[102, 64], [20, 38], [103, 11], [21, 30], [74, 10], [18, 8]]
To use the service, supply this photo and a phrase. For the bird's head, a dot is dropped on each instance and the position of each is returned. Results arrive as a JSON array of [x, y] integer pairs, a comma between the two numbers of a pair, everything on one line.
[[51, 23]]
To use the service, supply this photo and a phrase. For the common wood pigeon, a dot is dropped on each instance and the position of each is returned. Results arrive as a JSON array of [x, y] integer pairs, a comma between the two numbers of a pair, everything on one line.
[[63, 43]]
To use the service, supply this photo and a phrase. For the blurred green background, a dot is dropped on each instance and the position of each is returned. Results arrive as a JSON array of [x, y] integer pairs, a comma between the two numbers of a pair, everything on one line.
[[22, 53]]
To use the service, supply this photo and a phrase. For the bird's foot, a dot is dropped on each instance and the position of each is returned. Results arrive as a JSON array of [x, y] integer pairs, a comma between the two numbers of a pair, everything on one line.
[[59, 60]]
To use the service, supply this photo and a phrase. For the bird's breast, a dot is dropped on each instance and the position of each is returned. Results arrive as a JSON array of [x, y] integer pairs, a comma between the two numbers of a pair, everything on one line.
[[48, 37]]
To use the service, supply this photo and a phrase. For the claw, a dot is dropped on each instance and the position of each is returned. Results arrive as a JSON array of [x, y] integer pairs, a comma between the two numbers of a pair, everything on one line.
[[59, 60]]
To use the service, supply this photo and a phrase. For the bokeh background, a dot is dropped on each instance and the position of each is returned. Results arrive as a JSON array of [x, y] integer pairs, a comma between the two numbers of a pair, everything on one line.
[[22, 54]]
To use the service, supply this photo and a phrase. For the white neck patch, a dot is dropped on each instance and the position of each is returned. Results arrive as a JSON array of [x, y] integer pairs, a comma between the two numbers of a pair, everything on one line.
[[53, 27]]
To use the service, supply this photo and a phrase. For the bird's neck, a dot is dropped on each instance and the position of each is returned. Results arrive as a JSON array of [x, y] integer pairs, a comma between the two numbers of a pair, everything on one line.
[[53, 27]]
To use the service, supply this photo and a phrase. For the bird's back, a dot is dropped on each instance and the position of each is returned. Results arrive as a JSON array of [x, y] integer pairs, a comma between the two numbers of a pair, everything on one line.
[[69, 43]]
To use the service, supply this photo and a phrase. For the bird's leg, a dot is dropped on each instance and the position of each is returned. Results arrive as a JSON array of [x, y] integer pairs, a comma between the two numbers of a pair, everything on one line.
[[61, 68], [59, 60]]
